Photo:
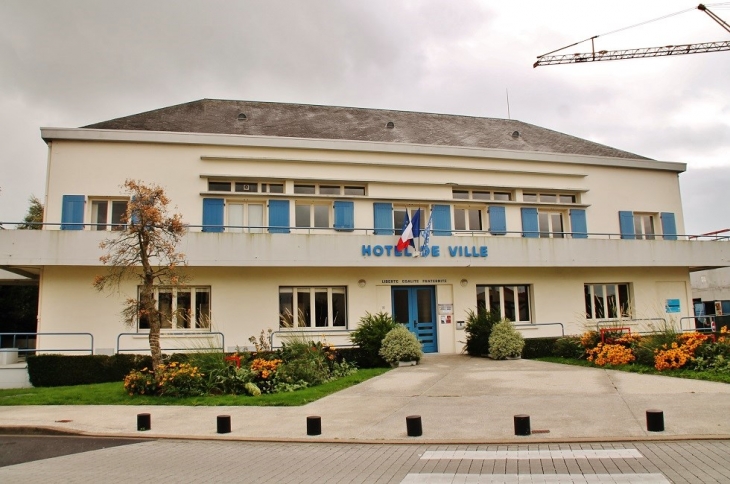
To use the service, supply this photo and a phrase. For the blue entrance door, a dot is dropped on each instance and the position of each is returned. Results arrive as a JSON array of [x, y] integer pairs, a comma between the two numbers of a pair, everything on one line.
[[415, 307]]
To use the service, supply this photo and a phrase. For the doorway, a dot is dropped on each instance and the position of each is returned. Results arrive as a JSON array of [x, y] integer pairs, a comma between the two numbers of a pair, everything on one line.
[[415, 308]]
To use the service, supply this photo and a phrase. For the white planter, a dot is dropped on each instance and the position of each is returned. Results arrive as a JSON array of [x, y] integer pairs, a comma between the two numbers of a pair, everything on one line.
[[407, 363]]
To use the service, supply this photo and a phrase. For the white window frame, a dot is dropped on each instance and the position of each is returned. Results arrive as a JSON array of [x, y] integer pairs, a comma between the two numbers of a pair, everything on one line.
[[412, 210], [549, 230], [312, 207], [645, 226], [295, 319], [246, 225], [107, 224], [609, 312], [467, 209], [502, 307], [176, 322]]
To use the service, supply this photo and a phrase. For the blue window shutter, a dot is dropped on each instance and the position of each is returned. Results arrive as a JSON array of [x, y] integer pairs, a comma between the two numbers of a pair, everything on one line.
[[497, 221], [441, 219], [530, 227], [578, 223], [72, 212], [212, 215], [383, 218], [669, 226], [278, 216], [344, 216], [626, 222]]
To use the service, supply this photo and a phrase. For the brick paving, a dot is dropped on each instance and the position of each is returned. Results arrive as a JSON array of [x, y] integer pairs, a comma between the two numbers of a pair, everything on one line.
[[281, 463]]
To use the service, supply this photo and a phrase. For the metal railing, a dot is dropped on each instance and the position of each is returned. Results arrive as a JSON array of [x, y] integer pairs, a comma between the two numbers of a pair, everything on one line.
[[706, 323], [28, 336], [609, 323], [266, 229], [532, 325], [175, 334], [312, 334]]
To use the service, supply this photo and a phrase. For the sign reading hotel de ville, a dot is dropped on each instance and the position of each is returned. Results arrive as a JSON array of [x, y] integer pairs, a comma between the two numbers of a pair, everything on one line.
[[433, 251]]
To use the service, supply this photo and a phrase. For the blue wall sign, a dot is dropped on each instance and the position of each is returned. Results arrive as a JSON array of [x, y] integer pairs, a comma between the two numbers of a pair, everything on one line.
[[433, 251]]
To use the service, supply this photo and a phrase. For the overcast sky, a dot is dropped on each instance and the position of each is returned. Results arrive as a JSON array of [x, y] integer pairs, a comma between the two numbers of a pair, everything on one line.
[[68, 63]]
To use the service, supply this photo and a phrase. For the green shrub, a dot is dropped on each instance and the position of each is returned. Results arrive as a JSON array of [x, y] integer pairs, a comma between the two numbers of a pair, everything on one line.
[[569, 347], [369, 335], [478, 328], [505, 341], [64, 370], [539, 347], [400, 345], [646, 349]]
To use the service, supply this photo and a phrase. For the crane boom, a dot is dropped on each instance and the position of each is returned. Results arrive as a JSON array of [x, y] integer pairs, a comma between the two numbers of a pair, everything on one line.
[[604, 55]]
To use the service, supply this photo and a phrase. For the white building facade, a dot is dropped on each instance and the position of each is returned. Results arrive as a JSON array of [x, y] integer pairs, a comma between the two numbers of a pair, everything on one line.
[[294, 213]]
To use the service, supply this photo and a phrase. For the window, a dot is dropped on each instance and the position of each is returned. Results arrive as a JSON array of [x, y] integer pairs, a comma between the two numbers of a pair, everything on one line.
[[467, 218], [219, 186], [305, 189], [549, 197], [550, 224], [607, 301], [108, 214], [644, 226], [328, 189], [508, 302], [182, 308], [245, 217], [357, 191], [399, 217], [244, 186], [312, 307], [480, 194], [308, 215]]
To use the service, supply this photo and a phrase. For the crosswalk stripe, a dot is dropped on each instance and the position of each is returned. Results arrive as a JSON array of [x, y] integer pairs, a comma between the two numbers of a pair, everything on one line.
[[533, 454], [535, 479]]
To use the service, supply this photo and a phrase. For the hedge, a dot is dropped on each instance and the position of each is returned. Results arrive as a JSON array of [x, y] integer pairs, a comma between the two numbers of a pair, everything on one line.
[[539, 347], [62, 370]]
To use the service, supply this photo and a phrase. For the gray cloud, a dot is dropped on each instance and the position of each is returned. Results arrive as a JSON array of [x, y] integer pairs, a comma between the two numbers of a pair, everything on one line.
[[77, 62]]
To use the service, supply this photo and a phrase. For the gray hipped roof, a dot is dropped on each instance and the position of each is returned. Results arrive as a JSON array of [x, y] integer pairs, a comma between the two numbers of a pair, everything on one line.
[[343, 123]]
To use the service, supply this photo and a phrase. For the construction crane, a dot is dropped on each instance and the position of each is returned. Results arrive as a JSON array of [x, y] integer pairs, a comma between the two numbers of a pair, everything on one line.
[[604, 55]]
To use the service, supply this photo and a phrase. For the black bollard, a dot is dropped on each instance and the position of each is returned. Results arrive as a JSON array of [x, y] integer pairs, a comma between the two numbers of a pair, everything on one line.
[[413, 426], [655, 421], [144, 421], [522, 425], [314, 425], [224, 424]]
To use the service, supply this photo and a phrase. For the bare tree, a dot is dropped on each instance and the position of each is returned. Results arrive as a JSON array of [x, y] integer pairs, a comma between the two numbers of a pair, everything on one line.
[[145, 250]]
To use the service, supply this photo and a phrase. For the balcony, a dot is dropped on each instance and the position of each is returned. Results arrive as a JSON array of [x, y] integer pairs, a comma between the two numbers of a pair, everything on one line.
[[31, 249]]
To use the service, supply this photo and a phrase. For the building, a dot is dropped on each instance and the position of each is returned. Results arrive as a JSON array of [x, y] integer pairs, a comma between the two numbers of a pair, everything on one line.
[[295, 210]]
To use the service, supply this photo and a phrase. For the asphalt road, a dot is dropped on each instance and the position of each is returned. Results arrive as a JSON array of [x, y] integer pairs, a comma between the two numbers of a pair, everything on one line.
[[92, 460]]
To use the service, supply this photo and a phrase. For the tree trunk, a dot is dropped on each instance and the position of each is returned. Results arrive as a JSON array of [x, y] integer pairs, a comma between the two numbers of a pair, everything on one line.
[[154, 339]]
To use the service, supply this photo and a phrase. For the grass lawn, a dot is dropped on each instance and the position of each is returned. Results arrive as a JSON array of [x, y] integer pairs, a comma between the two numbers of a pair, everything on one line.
[[648, 370], [113, 394]]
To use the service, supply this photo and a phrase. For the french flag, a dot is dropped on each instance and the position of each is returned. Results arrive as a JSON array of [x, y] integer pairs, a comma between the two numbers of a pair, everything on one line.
[[412, 230]]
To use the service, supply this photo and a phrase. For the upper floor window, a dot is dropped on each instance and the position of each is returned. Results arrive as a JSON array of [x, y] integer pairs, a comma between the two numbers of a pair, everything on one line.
[[467, 218], [182, 308], [245, 217], [399, 217], [548, 197], [308, 215], [480, 194], [108, 214], [244, 186], [328, 189], [550, 224], [644, 226]]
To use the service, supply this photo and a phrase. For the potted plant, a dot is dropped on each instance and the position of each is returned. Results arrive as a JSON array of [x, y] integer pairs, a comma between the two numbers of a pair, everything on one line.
[[505, 342], [401, 347]]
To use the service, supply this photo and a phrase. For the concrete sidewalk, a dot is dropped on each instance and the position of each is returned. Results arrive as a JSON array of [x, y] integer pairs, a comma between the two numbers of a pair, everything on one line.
[[460, 400]]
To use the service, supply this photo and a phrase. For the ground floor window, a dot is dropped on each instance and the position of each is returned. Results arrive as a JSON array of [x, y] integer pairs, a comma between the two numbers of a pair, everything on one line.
[[509, 302], [312, 307], [607, 300], [182, 308]]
